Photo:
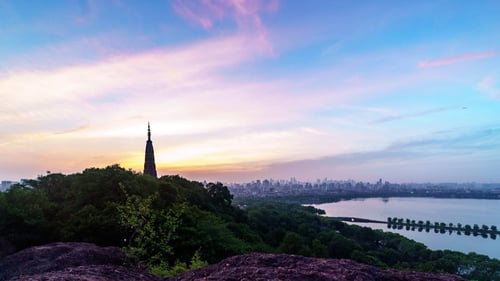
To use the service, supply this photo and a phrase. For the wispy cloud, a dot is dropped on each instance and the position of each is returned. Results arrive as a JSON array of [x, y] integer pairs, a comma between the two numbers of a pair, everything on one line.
[[490, 86], [106, 91], [88, 11], [444, 152], [411, 115], [74, 130], [181, 90], [246, 14], [456, 59], [199, 14], [163, 68], [206, 13]]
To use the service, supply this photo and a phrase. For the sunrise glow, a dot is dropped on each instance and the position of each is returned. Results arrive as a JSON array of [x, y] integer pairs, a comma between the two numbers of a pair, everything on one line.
[[240, 90]]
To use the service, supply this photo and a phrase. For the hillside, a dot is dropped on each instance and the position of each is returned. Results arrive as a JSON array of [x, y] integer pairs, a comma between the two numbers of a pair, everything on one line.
[[171, 225]]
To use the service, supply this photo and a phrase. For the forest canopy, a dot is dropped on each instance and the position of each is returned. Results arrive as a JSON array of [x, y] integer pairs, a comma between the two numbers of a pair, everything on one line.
[[171, 221]]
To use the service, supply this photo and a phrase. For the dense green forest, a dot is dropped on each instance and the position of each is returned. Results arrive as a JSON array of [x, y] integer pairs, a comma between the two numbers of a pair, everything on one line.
[[172, 224]]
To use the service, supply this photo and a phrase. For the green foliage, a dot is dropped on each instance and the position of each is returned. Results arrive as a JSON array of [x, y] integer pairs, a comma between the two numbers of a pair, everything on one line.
[[22, 216], [219, 194], [150, 230], [319, 250], [197, 262], [172, 225], [342, 247], [293, 244], [210, 234], [363, 257], [163, 269]]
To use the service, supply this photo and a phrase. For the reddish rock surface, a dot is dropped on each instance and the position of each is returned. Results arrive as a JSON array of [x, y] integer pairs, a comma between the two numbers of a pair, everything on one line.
[[257, 267], [70, 261], [84, 261]]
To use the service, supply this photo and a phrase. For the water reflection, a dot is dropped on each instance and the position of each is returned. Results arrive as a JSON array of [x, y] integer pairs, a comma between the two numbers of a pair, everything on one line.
[[465, 211], [410, 225]]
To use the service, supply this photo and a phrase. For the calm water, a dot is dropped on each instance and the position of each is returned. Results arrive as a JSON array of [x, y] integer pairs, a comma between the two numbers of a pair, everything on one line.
[[464, 211]]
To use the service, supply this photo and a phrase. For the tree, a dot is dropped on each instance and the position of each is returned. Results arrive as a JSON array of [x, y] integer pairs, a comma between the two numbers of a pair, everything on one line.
[[292, 244], [475, 230], [493, 232], [442, 227], [484, 231], [220, 194], [467, 229], [420, 226], [22, 216], [493, 228], [150, 231], [341, 246], [484, 228], [319, 250]]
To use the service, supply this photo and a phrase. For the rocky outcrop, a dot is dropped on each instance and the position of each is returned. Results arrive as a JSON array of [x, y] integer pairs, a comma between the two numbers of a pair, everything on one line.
[[70, 261], [257, 267], [84, 261], [6, 247]]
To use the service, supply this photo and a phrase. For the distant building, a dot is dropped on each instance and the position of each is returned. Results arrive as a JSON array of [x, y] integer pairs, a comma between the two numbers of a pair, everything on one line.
[[149, 162], [6, 184]]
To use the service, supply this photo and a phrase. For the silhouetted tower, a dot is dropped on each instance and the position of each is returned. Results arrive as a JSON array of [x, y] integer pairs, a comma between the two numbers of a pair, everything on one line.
[[149, 162]]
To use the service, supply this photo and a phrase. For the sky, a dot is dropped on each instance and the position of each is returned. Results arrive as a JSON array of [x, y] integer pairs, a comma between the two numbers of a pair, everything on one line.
[[239, 90]]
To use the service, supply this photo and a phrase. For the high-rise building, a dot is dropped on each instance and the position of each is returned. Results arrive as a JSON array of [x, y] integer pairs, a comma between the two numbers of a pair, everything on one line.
[[4, 185], [149, 162]]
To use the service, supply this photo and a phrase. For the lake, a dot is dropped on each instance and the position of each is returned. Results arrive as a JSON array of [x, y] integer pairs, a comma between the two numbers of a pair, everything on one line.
[[464, 211]]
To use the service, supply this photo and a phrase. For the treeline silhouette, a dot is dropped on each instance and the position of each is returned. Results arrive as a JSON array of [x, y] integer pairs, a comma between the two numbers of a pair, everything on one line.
[[172, 224], [441, 227]]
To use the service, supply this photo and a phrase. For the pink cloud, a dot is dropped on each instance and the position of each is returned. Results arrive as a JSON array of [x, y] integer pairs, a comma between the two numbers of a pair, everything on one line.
[[246, 14], [456, 59], [206, 12], [199, 14]]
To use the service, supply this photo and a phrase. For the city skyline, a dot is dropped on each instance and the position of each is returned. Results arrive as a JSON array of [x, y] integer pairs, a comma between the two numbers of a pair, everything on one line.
[[240, 90]]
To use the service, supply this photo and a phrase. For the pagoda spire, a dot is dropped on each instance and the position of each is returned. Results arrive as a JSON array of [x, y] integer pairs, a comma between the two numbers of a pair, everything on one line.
[[149, 161], [149, 132]]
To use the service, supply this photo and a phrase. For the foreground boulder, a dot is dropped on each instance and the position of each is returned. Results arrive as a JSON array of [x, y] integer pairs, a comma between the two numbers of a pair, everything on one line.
[[70, 261], [256, 267], [84, 261]]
